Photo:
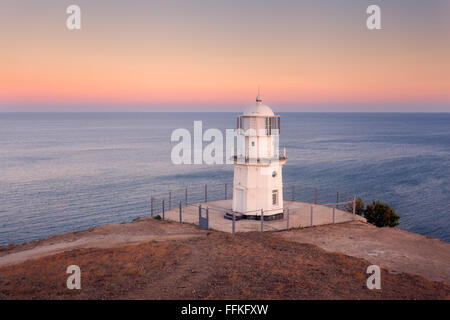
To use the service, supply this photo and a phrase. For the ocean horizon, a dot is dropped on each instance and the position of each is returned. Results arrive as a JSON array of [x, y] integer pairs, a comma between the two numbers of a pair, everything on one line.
[[68, 171]]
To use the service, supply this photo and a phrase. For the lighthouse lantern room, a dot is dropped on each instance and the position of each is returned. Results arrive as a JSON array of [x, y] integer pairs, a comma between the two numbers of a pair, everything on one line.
[[258, 183]]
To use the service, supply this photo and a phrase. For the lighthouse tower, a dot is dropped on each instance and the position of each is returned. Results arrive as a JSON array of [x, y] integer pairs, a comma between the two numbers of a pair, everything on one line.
[[258, 183]]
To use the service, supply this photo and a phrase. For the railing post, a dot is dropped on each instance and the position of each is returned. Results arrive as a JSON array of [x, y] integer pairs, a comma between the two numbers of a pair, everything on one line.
[[152, 206], [163, 210], [312, 210], [225, 191], [315, 195], [186, 196], [293, 193], [170, 200], [287, 218], [354, 205], [206, 193], [181, 217], [337, 199], [262, 220], [233, 228], [207, 218], [199, 213], [333, 215]]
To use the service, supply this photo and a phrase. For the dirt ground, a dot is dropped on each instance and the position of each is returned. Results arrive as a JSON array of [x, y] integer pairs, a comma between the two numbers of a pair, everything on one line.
[[392, 248], [106, 236], [150, 259]]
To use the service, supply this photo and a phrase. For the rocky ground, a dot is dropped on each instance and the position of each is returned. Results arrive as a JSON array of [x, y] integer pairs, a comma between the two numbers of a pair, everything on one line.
[[151, 259]]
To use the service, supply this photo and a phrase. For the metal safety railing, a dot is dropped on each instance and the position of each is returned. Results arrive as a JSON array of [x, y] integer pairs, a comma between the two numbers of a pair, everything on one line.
[[189, 195], [312, 198]]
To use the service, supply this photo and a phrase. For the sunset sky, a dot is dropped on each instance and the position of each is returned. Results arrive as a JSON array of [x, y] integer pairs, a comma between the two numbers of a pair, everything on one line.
[[206, 55]]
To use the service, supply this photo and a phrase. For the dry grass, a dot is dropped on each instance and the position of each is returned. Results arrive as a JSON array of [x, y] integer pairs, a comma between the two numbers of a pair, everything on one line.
[[214, 266]]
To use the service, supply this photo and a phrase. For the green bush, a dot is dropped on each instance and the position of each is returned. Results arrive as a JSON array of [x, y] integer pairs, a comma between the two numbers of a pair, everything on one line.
[[359, 206], [381, 215], [157, 217]]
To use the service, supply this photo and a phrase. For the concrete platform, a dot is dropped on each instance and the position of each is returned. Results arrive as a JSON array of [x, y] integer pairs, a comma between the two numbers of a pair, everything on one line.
[[299, 216]]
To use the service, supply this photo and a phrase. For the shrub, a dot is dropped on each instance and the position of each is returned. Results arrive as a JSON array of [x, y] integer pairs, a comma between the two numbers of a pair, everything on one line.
[[381, 214], [157, 217], [360, 206]]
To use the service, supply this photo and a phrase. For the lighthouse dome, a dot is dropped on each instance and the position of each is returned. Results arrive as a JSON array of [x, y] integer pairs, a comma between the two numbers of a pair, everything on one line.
[[258, 110]]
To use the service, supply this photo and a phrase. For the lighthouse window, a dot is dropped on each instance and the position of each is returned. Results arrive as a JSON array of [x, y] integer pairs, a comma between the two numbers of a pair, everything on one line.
[[239, 124], [274, 197], [268, 126], [272, 124]]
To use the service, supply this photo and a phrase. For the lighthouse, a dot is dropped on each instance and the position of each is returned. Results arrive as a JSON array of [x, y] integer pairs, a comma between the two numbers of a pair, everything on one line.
[[258, 178]]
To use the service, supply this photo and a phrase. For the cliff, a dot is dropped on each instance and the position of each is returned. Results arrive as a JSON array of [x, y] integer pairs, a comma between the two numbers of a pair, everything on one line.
[[151, 259]]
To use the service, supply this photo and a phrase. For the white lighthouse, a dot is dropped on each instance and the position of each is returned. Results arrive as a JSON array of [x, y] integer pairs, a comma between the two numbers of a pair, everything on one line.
[[258, 183]]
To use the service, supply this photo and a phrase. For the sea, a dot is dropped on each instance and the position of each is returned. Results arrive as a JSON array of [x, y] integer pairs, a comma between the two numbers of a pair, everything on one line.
[[63, 172]]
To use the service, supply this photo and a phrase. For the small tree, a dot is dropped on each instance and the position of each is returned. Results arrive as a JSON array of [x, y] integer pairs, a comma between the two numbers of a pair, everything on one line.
[[381, 214], [359, 206]]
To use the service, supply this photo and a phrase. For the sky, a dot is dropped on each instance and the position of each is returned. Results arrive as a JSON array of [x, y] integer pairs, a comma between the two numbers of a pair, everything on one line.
[[211, 55]]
